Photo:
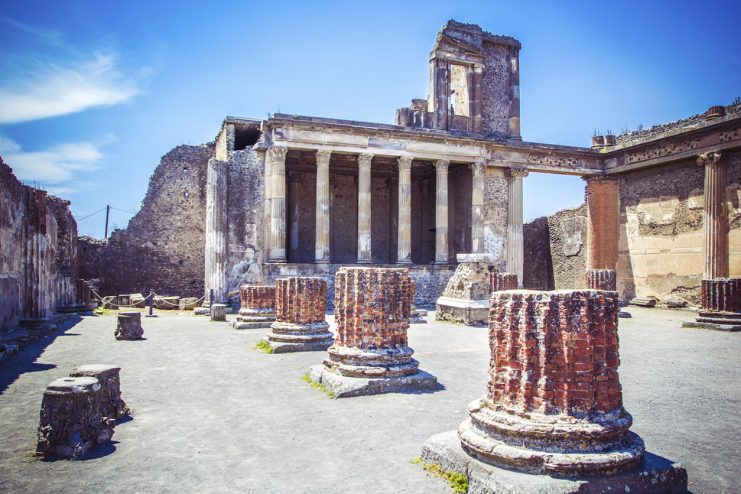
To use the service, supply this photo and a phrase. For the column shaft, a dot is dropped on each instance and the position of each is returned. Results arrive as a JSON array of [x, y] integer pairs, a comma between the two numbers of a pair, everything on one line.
[[321, 249], [477, 207], [216, 231], [404, 244], [514, 108], [602, 222], [441, 212], [277, 240], [364, 208], [715, 218], [515, 245]]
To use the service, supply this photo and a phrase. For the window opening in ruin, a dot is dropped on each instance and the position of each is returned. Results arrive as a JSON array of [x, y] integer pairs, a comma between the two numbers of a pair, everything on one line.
[[459, 99], [245, 136]]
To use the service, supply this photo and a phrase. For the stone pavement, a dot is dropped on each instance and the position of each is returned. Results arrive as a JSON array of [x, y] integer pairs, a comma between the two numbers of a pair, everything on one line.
[[211, 414]]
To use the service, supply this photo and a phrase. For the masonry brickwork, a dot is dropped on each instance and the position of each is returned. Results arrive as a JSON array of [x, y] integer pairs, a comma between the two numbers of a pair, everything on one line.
[[721, 295], [601, 279], [502, 281]]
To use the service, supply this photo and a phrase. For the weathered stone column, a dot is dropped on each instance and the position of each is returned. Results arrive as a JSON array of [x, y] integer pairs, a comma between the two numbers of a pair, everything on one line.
[[441, 212], [277, 239], [370, 354], [321, 247], [36, 295], [257, 307], [715, 217], [364, 208], [477, 206], [515, 246], [300, 307], [216, 231], [514, 105], [602, 222], [404, 244]]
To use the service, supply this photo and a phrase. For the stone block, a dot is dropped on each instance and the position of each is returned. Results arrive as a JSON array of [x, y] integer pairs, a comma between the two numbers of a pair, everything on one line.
[[218, 312], [129, 326], [187, 303], [166, 303]]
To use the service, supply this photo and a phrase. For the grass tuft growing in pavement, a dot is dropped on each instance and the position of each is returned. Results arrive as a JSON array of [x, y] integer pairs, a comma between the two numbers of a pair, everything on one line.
[[264, 346], [319, 386], [456, 480]]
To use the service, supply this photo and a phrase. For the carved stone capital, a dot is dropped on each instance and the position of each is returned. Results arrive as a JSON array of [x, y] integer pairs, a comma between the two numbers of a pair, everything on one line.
[[711, 158], [364, 160], [405, 162], [322, 157], [517, 172], [478, 166], [277, 153], [442, 166]]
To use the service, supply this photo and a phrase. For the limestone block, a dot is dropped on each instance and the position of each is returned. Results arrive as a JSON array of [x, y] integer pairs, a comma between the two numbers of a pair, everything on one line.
[[166, 303], [187, 303]]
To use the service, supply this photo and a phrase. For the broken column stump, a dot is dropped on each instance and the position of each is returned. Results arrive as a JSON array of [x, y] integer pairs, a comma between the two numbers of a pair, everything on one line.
[[499, 282], [218, 312], [720, 305], [552, 418], [70, 423], [370, 354], [257, 307], [111, 403], [129, 326], [300, 308]]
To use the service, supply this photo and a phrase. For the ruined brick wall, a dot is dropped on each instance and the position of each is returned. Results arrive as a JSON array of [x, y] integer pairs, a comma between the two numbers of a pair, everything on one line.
[[163, 246], [38, 252]]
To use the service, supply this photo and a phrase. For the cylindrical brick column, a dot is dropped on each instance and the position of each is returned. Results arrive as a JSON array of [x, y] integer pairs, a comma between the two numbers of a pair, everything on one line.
[[372, 309], [364, 208], [441, 212], [477, 206], [321, 247], [602, 222], [70, 423], [502, 281], [112, 405], [601, 279], [553, 403], [257, 307], [715, 217], [216, 231], [276, 157], [721, 295], [404, 243], [515, 238], [300, 308], [129, 326]]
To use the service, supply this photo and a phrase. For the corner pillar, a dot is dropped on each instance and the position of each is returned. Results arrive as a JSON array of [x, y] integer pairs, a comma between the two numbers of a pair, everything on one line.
[[515, 244]]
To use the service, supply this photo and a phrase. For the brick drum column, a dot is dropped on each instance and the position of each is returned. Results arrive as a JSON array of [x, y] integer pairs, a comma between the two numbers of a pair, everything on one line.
[[300, 308], [721, 304], [602, 222], [553, 404], [601, 279], [499, 282], [257, 308]]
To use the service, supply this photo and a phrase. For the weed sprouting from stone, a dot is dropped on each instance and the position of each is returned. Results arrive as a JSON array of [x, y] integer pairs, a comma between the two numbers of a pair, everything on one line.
[[319, 386], [264, 346], [456, 480]]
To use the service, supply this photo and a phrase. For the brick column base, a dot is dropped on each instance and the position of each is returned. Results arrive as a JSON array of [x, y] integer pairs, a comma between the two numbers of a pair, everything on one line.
[[499, 282], [257, 307]]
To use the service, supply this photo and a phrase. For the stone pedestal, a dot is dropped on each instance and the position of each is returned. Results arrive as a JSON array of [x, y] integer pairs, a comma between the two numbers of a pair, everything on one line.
[[257, 307], [553, 404], [720, 305], [70, 423], [499, 282], [300, 308], [111, 404], [129, 326], [466, 296], [370, 354], [218, 312]]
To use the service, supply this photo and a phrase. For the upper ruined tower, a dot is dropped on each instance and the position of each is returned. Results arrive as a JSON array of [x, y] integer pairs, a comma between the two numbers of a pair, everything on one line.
[[474, 85]]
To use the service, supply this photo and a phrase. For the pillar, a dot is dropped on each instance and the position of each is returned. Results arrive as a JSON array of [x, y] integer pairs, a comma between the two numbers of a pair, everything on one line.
[[715, 217], [515, 246], [404, 244], [364, 208], [277, 235], [602, 222], [477, 207], [513, 133], [216, 231], [441, 212], [321, 248], [441, 87], [477, 103]]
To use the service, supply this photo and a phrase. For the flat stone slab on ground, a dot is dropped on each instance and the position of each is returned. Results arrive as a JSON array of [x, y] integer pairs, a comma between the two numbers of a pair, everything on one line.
[[252, 324], [711, 325], [308, 346], [656, 475], [346, 387]]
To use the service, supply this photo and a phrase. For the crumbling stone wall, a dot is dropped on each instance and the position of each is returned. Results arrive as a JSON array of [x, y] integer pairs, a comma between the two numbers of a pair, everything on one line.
[[537, 272], [497, 92], [38, 252], [163, 246]]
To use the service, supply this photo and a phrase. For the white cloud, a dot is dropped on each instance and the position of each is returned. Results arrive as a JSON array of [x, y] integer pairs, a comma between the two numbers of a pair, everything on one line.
[[47, 89], [56, 166]]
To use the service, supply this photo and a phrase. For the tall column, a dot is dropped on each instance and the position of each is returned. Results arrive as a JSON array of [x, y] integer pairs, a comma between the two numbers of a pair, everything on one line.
[[441, 212], [216, 231], [477, 206], [404, 244], [277, 239], [715, 217], [514, 107], [364, 208], [321, 248], [515, 246], [477, 100], [602, 222]]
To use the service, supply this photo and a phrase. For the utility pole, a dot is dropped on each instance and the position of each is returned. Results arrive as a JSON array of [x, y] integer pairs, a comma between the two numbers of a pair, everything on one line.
[[107, 212]]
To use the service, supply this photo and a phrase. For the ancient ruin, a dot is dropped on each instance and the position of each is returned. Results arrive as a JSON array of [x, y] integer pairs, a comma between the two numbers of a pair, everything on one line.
[[300, 307], [601, 279], [111, 403], [720, 306], [466, 296], [129, 326], [553, 404], [218, 312], [71, 424], [257, 307], [370, 354], [502, 281]]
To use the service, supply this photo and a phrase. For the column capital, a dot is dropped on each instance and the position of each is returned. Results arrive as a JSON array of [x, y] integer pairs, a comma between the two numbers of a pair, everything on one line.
[[478, 166], [405, 162], [364, 159], [708, 158], [517, 172], [322, 157], [278, 153], [442, 166]]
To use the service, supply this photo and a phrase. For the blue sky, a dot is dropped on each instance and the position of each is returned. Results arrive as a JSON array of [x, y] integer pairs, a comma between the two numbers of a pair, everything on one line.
[[93, 93]]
